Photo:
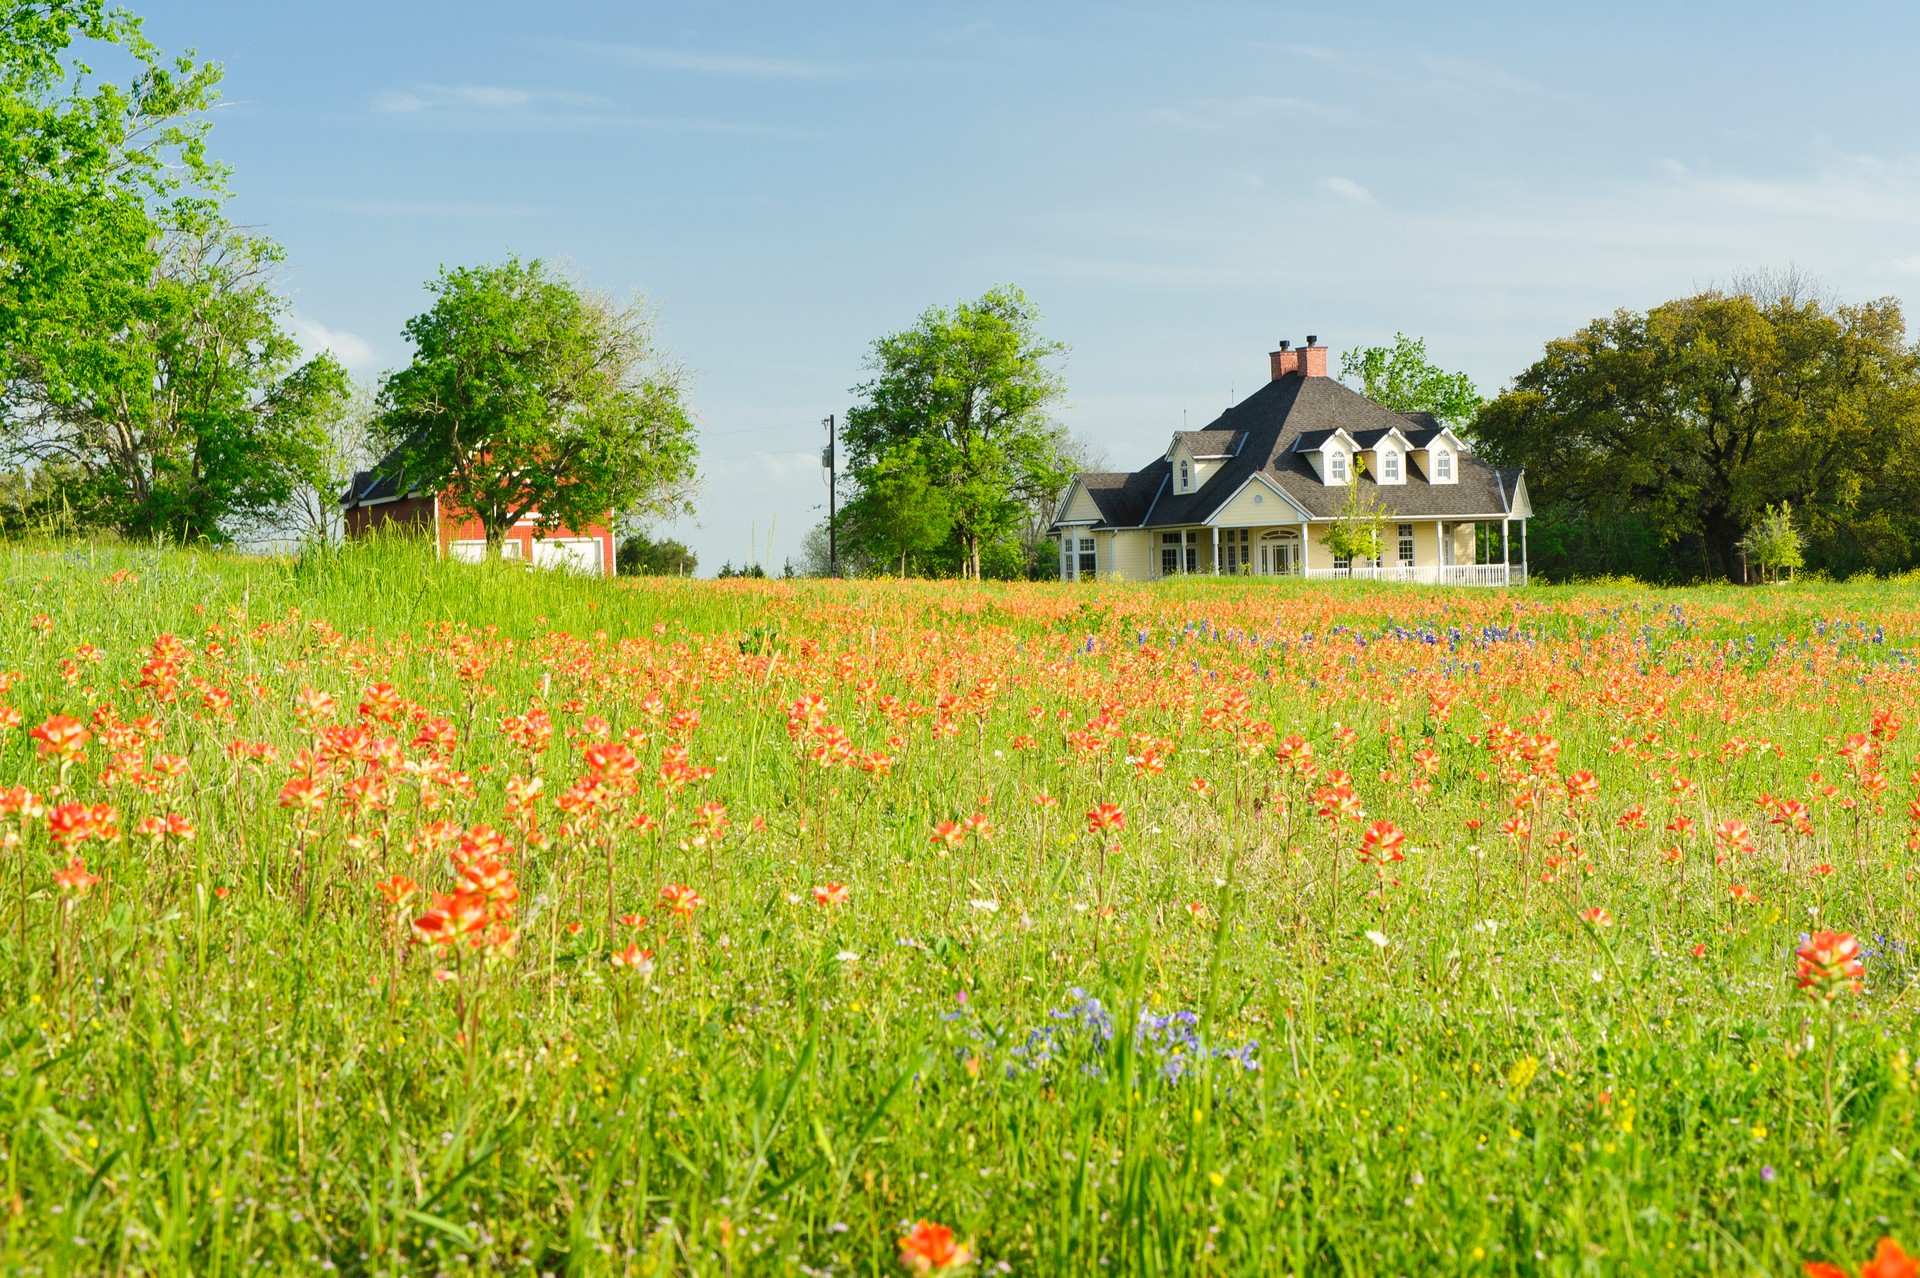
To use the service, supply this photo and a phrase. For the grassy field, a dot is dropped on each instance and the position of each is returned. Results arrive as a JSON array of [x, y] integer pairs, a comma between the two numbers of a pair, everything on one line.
[[1174, 929]]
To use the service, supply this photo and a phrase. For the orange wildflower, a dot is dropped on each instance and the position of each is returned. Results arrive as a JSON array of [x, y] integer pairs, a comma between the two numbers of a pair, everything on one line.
[[75, 878], [681, 899], [928, 1248], [61, 738], [1828, 963], [1382, 842]]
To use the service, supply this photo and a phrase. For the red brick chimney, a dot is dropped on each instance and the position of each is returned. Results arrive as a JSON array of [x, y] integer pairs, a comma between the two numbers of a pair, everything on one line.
[[1312, 358], [1284, 361]]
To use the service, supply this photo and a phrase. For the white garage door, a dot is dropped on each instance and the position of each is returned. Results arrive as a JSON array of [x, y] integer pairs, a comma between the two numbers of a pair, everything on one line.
[[576, 554]]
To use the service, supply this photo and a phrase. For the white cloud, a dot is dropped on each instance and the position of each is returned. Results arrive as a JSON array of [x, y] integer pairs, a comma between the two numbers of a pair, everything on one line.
[[1907, 265], [1255, 109], [709, 63], [1347, 189], [423, 208], [391, 103], [486, 97], [350, 349]]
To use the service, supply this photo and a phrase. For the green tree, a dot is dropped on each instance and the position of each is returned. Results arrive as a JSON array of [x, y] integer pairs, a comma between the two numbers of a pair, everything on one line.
[[1402, 378], [531, 398], [92, 176], [1698, 414], [198, 412], [1774, 543], [141, 341], [1358, 531], [964, 400], [643, 556], [900, 514]]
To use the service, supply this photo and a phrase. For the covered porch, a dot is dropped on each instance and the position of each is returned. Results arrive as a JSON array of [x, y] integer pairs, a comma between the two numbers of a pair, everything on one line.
[[1433, 552]]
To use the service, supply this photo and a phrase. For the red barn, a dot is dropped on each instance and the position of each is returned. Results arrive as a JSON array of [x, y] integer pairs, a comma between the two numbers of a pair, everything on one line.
[[382, 496]]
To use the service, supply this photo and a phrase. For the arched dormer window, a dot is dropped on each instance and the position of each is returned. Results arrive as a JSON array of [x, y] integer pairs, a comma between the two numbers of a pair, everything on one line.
[[1390, 465], [1337, 466], [1443, 465], [1186, 480]]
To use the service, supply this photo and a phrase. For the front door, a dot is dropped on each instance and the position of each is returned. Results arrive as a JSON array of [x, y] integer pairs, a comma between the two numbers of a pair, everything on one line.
[[1279, 557]]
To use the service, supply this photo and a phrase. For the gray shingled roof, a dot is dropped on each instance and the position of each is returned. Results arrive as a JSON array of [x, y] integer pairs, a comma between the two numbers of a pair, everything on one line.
[[1123, 499], [1273, 420], [1208, 443], [381, 483]]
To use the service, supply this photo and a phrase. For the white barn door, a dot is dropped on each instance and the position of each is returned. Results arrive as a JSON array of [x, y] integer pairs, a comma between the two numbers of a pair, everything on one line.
[[575, 554]]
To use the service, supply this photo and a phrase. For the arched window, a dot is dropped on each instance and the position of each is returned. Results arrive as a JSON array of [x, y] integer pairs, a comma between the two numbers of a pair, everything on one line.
[[1337, 467], [1390, 465], [1443, 465], [1184, 481]]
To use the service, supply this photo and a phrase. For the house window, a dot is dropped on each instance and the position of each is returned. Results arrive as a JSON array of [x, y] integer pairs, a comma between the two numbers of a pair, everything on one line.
[[1337, 467], [1169, 554], [1390, 465], [1443, 466], [1185, 481], [1406, 545], [1089, 565], [1342, 562], [1193, 550]]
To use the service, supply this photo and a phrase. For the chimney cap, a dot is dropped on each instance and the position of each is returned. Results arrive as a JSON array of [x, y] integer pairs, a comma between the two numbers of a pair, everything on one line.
[[1284, 343], [1312, 339]]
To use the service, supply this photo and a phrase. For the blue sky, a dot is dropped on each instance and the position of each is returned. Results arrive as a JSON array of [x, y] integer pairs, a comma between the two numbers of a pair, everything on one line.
[[1177, 186]]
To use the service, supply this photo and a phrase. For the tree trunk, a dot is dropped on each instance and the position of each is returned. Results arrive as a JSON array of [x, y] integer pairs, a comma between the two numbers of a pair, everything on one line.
[[1722, 532]]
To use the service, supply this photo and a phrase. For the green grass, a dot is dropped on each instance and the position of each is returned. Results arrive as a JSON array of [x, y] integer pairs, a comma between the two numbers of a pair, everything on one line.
[[228, 1056]]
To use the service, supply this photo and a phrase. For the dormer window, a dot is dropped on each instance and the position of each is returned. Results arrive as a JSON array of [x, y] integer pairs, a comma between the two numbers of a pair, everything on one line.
[[1443, 466], [1337, 466], [1186, 480], [1390, 466]]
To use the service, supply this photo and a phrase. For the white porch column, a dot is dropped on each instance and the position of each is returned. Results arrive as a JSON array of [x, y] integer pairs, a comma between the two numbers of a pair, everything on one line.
[[1524, 572], [1216, 550], [1506, 556], [1303, 548]]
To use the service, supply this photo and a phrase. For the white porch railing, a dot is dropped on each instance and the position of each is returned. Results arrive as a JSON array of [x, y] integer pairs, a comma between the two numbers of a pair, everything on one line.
[[1428, 574]]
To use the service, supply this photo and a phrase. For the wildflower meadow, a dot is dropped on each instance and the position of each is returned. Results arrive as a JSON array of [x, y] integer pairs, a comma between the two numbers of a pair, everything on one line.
[[368, 914]]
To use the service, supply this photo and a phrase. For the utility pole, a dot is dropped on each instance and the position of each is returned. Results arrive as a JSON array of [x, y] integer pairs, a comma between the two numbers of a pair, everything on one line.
[[828, 460]]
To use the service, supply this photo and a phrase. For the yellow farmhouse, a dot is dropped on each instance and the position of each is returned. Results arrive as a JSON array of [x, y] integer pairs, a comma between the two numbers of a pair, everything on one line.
[[1257, 490]]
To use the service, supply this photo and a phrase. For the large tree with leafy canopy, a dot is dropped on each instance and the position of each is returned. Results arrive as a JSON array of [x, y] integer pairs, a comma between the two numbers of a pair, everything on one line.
[[1698, 414], [1402, 378], [531, 398], [142, 352], [959, 408]]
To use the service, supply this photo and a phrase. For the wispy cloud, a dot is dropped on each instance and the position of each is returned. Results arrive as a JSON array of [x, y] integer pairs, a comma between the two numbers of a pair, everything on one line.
[[1347, 189], [1233, 113], [422, 208], [498, 108], [486, 97], [350, 349], [731, 64], [1907, 265]]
